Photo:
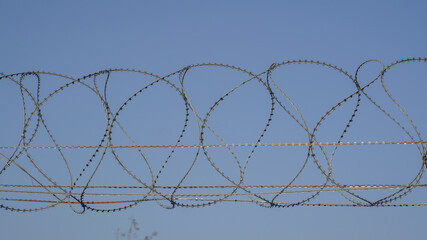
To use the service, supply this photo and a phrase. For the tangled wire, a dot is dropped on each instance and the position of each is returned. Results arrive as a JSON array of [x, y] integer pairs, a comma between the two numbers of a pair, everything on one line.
[[76, 192]]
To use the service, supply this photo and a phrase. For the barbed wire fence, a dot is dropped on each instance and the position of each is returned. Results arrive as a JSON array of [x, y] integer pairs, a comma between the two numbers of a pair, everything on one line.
[[47, 191]]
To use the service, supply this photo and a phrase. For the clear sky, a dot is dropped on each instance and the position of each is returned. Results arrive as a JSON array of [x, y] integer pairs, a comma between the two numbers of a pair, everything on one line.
[[77, 38]]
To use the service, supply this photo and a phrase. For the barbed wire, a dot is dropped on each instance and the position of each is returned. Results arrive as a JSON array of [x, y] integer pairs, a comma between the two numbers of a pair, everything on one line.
[[299, 144], [76, 192]]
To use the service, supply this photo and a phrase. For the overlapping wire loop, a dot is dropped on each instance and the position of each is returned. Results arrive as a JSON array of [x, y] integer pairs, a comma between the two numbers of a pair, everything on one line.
[[76, 192]]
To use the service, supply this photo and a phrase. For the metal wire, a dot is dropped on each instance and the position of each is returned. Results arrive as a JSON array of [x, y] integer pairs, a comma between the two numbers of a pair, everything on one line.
[[76, 191]]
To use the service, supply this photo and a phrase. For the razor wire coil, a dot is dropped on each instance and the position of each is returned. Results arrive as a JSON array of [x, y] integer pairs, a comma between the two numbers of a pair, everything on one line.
[[76, 191]]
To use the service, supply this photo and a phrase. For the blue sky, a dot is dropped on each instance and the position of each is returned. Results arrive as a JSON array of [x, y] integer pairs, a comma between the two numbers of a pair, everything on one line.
[[82, 37]]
